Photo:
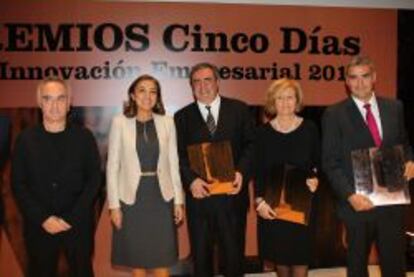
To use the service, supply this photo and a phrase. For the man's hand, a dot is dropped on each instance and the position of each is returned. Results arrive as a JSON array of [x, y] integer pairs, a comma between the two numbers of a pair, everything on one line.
[[409, 170], [199, 188], [237, 183], [360, 202], [265, 211], [54, 225], [116, 218], [65, 225], [312, 184]]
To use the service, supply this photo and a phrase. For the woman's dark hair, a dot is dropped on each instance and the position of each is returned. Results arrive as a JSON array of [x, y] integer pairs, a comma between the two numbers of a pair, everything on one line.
[[130, 107]]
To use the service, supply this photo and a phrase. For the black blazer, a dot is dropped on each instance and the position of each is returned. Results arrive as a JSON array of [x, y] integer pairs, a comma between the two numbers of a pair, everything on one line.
[[234, 124], [4, 140], [344, 130], [56, 180], [4, 155]]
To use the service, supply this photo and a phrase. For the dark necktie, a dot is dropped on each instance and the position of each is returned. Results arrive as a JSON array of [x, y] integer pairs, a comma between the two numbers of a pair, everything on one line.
[[211, 124], [372, 125]]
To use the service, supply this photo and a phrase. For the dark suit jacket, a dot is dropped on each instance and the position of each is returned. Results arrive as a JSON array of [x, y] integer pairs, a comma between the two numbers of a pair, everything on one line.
[[4, 155], [344, 130], [4, 140], [50, 179], [235, 124]]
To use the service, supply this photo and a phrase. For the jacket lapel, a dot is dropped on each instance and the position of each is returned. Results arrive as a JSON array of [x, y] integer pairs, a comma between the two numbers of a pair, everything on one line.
[[385, 124], [359, 122], [131, 133], [161, 134], [161, 130], [158, 126], [222, 120], [200, 123]]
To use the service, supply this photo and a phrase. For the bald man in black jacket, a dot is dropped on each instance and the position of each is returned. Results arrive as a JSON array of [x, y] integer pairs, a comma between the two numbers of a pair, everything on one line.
[[55, 179]]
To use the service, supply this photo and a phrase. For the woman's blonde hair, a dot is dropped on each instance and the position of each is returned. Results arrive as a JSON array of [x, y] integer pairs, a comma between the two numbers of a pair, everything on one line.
[[278, 86]]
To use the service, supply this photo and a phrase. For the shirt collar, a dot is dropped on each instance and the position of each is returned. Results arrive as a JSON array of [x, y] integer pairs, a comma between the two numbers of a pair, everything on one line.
[[214, 105], [372, 101]]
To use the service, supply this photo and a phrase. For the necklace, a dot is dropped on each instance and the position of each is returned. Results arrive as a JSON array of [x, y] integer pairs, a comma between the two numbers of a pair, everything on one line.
[[144, 119], [145, 131]]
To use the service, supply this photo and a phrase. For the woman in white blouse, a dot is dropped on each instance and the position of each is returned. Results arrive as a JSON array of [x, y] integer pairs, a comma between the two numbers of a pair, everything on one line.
[[143, 182]]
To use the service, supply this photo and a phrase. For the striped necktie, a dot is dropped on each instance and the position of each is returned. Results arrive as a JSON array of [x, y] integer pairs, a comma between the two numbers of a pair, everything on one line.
[[211, 124]]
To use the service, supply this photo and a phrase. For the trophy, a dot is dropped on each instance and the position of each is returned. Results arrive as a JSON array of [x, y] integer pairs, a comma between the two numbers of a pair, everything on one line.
[[287, 193], [213, 162], [379, 175]]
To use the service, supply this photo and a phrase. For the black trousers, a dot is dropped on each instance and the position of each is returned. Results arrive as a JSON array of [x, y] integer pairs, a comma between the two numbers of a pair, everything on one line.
[[212, 220], [44, 251], [1, 202], [384, 227]]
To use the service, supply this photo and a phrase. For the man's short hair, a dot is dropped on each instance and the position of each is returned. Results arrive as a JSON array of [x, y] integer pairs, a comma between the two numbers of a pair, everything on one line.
[[360, 60], [199, 66], [52, 79]]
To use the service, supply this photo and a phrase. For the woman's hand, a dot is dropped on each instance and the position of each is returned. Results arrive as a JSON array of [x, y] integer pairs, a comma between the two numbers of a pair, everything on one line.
[[178, 213], [409, 170], [312, 184], [116, 218], [237, 183], [265, 211]]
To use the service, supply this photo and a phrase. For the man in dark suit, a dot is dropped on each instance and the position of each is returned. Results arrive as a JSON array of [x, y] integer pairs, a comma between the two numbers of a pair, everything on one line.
[[4, 155], [213, 118], [362, 121], [55, 178]]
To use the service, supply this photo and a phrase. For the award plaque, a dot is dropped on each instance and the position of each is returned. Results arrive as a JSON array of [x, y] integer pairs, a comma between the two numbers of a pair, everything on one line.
[[287, 193], [213, 162], [378, 174]]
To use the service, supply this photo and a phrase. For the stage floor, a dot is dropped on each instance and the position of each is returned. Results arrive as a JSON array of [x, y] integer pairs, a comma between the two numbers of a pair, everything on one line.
[[329, 272], [9, 264]]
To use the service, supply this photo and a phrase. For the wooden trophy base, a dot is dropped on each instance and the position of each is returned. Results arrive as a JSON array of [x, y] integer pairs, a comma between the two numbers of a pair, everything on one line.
[[220, 188], [285, 212]]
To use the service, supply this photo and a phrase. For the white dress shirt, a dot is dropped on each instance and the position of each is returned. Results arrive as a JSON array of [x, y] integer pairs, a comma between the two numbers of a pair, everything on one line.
[[215, 108], [374, 109]]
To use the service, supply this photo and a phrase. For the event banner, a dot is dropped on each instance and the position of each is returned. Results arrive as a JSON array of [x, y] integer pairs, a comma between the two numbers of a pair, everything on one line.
[[100, 47]]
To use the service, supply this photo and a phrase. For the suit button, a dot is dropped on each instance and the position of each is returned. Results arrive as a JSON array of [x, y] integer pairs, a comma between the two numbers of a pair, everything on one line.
[[54, 185]]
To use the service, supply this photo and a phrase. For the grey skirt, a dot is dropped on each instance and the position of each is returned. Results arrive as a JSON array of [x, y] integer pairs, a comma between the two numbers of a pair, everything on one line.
[[148, 237]]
